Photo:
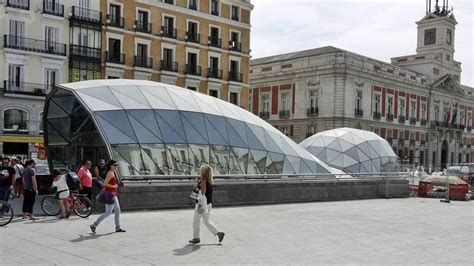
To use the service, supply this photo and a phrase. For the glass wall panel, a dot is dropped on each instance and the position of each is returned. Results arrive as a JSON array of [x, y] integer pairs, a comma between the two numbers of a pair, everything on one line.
[[194, 127], [216, 129], [129, 158], [199, 155], [220, 158], [276, 165], [143, 133], [154, 158], [171, 126], [179, 159]]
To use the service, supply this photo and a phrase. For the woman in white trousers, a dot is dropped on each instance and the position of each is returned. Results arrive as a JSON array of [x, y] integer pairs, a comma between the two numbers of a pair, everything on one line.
[[204, 205]]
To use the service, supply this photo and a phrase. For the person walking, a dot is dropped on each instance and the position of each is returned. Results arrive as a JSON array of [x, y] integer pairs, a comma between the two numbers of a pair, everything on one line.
[[62, 190], [30, 189], [85, 176], [7, 179], [110, 185], [18, 186], [204, 205], [100, 171]]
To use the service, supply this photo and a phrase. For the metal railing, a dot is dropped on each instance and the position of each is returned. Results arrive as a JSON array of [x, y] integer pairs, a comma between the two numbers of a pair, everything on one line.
[[24, 88], [193, 70], [116, 58], [389, 117], [235, 17], [169, 32], [20, 4], [84, 52], [312, 111], [284, 113], [85, 14], [193, 37], [215, 41], [33, 45], [358, 113], [235, 76], [146, 62], [215, 12], [169, 65], [51, 8], [142, 26], [412, 120], [264, 115], [115, 21], [401, 119], [377, 115], [235, 46], [422, 122], [214, 73]]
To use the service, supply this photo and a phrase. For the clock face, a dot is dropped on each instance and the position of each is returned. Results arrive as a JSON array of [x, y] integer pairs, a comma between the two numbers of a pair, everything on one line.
[[430, 36], [449, 37]]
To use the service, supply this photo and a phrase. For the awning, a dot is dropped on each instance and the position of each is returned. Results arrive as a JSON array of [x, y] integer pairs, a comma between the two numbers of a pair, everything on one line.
[[22, 139]]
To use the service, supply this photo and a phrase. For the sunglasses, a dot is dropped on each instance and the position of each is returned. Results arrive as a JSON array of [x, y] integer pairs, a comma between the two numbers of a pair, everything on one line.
[[115, 164]]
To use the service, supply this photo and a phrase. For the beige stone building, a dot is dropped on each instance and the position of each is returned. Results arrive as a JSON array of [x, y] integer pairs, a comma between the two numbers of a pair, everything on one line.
[[202, 45], [416, 102]]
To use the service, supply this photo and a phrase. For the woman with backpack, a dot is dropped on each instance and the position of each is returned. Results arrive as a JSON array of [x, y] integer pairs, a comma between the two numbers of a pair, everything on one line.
[[204, 205], [111, 186]]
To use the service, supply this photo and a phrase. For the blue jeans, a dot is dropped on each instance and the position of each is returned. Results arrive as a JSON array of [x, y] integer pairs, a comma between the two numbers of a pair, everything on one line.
[[4, 193], [108, 211]]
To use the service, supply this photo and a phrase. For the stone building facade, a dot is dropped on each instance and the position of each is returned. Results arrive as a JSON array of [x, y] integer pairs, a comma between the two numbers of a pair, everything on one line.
[[416, 102], [202, 45]]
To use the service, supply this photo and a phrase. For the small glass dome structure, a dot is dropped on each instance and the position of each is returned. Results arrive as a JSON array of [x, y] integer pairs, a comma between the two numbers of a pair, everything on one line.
[[153, 128], [352, 150]]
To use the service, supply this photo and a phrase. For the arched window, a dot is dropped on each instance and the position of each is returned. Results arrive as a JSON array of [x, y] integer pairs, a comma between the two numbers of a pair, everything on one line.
[[15, 119], [40, 122]]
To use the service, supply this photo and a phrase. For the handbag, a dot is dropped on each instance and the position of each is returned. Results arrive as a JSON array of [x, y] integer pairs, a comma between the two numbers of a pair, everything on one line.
[[106, 197]]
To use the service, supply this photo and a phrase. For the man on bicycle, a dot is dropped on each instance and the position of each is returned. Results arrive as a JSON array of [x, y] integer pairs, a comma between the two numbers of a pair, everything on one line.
[[7, 175]]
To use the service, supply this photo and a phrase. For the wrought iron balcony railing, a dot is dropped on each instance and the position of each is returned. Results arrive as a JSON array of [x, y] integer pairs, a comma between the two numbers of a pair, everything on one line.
[[142, 26], [20, 4], [359, 113], [377, 115], [115, 21], [215, 12], [33, 45], [235, 76], [412, 142], [422, 142], [469, 129], [24, 88], [87, 15], [192, 6], [53, 9], [312, 111], [412, 120], [193, 37], [422, 122], [235, 17], [264, 115], [193, 70], [116, 58], [401, 119], [214, 73], [401, 142], [235, 46], [389, 117], [169, 32], [284, 113], [215, 42], [146, 62], [169, 65], [87, 54]]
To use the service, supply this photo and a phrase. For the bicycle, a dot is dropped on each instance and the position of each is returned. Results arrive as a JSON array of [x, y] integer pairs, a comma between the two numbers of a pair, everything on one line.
[[79, 202], [6, 213]]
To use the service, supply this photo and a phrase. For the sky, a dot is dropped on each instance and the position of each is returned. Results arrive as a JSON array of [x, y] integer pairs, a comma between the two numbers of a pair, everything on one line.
[[380, 29]]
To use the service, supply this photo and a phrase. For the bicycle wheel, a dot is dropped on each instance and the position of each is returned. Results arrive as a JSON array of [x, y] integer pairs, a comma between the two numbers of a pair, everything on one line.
[[50, 206], [83, 207], [6, 213]]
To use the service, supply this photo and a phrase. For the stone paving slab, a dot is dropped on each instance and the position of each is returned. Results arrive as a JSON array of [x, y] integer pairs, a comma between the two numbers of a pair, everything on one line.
[[394, 231]]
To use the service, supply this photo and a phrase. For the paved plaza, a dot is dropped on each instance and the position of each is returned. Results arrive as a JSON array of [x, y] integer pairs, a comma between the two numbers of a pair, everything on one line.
[[394, 231]]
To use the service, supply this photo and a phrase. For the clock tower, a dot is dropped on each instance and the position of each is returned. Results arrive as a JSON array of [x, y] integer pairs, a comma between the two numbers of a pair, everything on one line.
[[435, 43]]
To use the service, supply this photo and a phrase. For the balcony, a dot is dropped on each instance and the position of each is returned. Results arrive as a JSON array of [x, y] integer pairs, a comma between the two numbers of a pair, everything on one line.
[[235, 46], [193, 70], [167, 65], [434, 124], [412, 142], [377, 115], [264, 115], [23, 88], [235, 17], [115, 21], [20, 4], [169, 32], [401, 119], [171, 2], [461, 127], [235, 76], [359, 113], [215, 12], [284, 113], [412, 120], [422, 122], [422, 142], [469, 129], [145, 62], [389, 117], [86, 15], [116, 58], [33, 45], [142, 26], [192, 6], [193, 37], [312, 111], [215, 42], [83, 53], [214, 73], [53, 9], [401, 142]]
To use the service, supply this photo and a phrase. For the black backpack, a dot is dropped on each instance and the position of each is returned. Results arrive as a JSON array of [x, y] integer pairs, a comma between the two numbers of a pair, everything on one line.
[[72, 180]]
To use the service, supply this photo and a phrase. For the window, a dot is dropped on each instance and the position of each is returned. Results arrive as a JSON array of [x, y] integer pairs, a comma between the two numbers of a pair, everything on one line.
[[168, 27], [250, 101], [192, 64], [266, 103], [235, 13], [214, 63], [436, 113], [171, 2], [215, 7], [192, 4], [413, 109], [15, 119], [445, 114], [401, 106], [284, 102], [51, 78], [412, 136], [192, 88], [40, 122], [377, 103], [461, 118], [234, 98], [358, 103], [115, 14], [313, 100], [469, 119], [51, 36], [142, 51], [114, 52], [214, 39], [389, 105], [15, 75], [423, 111], [389, 133], [17, 32], [214, 93], [142, 21], [192, 34]]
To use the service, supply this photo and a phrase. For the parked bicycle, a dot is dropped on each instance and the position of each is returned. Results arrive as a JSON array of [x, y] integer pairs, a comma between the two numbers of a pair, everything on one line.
[[79, 202], [6, 213]]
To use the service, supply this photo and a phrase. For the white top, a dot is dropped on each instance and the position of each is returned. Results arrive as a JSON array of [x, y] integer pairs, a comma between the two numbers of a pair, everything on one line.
[[18, 169], [61, 184]]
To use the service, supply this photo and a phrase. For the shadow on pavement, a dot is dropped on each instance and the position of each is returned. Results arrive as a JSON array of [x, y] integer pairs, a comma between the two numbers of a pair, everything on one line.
[[190, 248], [90, 236]]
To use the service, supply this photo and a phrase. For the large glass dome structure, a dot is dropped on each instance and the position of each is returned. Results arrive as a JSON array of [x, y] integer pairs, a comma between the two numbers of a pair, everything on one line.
[[352, 150], [153, 128]]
